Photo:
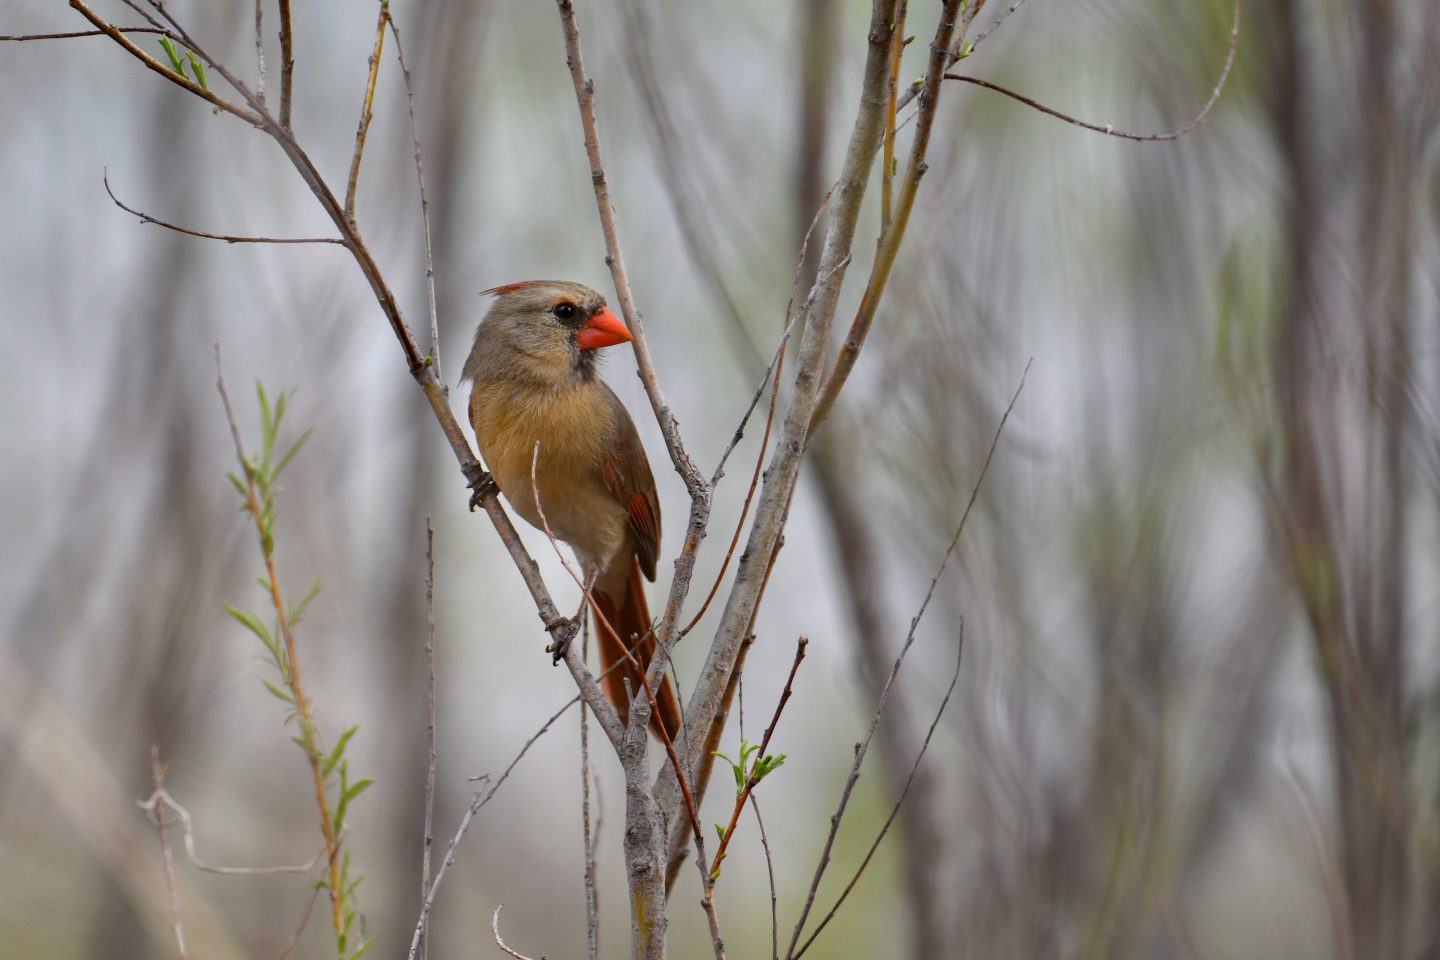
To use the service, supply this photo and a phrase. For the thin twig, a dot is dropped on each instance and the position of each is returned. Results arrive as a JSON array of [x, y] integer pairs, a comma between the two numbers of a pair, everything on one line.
[[162, 797], [770, 872], [430, 728], [979, 37], [304, 922], [420, 925], [363, 127], [147, 218], [157, 776], [592, 919], [287, 64], [895, 810], [424, 200], [1109, 129], [751, 780], [863, 747], [495, 929], [73, 34]]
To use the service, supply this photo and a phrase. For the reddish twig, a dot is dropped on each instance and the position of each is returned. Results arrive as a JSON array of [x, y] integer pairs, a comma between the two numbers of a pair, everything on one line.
[[751, 780]]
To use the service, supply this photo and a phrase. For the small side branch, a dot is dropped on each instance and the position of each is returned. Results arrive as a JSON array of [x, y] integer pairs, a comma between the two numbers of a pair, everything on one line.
[[74, 34], [366, 112], [430, 729], [1109, 129], [228, 238], [499, 942]]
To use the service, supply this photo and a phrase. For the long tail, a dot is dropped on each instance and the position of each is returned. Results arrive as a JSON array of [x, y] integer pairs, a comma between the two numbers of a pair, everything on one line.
[[630, 616]]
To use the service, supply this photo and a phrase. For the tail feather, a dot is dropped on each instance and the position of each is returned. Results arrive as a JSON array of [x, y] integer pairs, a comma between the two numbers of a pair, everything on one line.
[[629, 615]]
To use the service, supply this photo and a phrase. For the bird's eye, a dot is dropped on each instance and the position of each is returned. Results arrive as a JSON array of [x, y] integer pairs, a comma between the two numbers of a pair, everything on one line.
[[564, 311]]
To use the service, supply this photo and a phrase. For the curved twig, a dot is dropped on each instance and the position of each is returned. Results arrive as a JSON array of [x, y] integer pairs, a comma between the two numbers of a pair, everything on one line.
[[495, 929], [147, 218], [1109, 129]]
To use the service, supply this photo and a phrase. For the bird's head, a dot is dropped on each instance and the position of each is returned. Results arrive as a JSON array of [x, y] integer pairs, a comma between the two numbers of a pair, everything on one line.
[[547, 329]]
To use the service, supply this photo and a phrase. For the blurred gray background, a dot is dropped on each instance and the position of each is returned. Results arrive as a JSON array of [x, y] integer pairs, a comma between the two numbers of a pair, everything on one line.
[[1198, 710]]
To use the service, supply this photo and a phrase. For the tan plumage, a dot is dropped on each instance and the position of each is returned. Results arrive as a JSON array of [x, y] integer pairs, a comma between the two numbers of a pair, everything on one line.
[[533, 367]]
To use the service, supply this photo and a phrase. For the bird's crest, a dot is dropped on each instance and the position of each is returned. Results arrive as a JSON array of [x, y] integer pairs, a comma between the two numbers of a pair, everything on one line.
[[508, 288]]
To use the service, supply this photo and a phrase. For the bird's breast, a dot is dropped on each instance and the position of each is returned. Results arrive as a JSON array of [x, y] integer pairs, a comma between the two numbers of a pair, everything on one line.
[[572, 431]]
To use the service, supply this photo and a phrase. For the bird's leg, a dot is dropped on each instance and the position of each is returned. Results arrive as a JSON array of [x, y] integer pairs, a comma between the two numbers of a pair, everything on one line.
[[479, 481], [564, 629]]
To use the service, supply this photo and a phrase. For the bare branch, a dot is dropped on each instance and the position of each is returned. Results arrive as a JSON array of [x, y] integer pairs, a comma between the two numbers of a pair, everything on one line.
[[73, 34], [765, 532], [895, 810], [891, 237], [495, 929], [424, 200], [980, 37], [592, 918], [430, 728], [161, 797], [862, 747], [363, 127], [1109, 129], [157, 777], [287, 64], [475, 804], [147, 218], [260, 50], [770, 872], [300, 928]]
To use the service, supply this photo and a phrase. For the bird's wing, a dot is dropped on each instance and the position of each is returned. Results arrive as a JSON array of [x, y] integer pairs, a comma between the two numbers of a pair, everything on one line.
[[628, 477]]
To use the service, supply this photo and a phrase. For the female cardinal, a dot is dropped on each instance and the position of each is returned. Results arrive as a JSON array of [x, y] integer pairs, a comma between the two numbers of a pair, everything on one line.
[[533, 367]]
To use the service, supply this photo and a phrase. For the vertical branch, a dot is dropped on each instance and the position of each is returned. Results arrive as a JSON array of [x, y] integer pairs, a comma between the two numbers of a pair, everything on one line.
[[157, 776], [287, 64], [363, 127], [260, 50], [430, 730], [424, 199], [592, 920], [889, 245], [887, 163]]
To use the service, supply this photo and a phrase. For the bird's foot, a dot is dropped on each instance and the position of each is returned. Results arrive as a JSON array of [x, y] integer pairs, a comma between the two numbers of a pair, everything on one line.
[[562, 631], [480, 482]]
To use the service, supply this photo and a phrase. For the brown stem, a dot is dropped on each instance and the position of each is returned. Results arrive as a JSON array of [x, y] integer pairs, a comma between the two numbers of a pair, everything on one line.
[[363, 127], [287, 64]]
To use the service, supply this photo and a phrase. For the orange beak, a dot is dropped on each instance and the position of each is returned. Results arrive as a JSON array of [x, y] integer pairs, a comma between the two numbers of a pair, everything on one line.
[[602, 330]]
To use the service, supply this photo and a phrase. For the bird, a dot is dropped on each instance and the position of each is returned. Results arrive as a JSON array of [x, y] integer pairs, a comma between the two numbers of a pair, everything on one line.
[[533, 366]]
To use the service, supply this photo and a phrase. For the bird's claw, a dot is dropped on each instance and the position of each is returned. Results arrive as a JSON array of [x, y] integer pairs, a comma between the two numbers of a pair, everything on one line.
[[562, 630], [481, 485]]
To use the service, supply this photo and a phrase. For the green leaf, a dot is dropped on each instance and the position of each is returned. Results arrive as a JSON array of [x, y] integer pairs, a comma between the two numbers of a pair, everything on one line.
[[278, 693], [720, 830], [176, 63], [199, 69], [338, 750], [359, 788], [364, 945], [251, 622], [290, 455], [297, 610], [239, 485]]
